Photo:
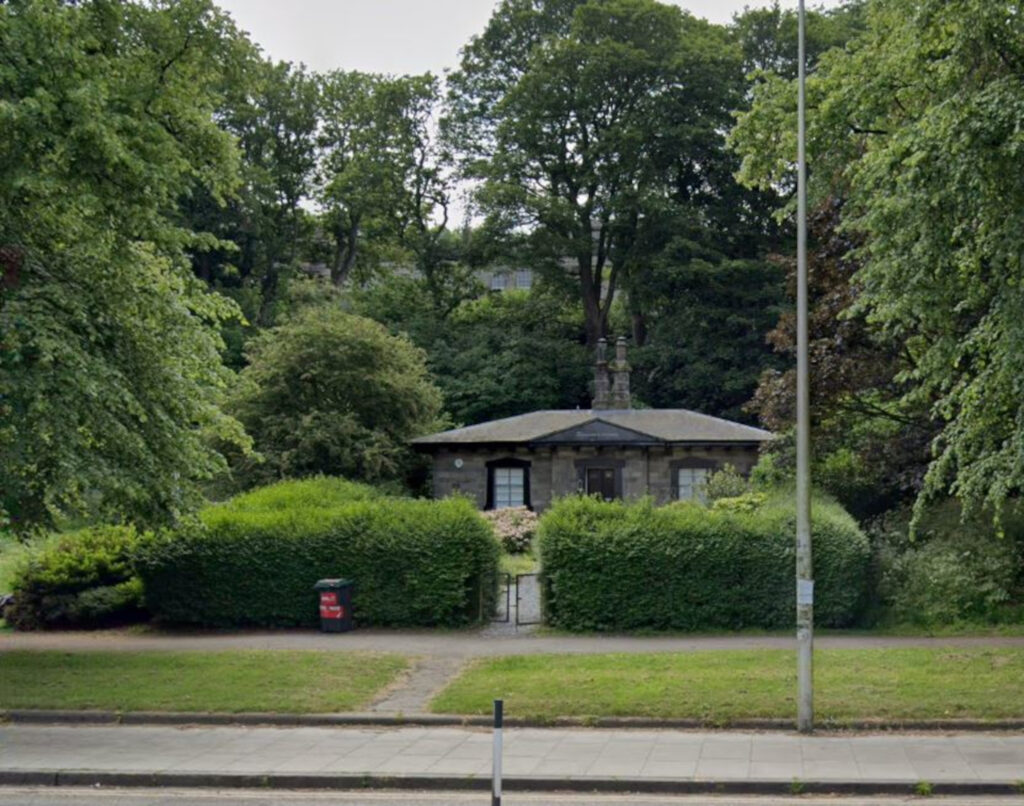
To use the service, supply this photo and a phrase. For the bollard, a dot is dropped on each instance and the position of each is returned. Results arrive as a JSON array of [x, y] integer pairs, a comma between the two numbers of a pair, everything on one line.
[[496, 768]]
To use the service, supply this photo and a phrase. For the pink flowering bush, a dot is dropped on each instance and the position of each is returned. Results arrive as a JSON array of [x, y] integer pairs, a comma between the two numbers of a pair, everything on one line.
[[514, 527]]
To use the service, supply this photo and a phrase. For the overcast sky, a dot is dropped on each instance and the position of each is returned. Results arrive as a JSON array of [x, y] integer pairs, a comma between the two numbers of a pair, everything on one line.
[[394, 36]]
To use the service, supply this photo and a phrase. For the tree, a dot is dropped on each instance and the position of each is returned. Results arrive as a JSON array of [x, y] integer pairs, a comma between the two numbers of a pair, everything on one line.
[[580, 119], [493, 355], [706, 348], [110, 373], [330, 392], [511, 353], [871, 448], [374, 174], [272, 111], [768, 36], [917, 126]]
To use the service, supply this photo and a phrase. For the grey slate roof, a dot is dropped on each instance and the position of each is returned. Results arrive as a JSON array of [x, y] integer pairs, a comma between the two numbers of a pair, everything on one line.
[[589, 426]]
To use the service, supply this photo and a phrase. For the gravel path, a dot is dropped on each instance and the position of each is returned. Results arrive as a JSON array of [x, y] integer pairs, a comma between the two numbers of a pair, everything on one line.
[[462, 644]]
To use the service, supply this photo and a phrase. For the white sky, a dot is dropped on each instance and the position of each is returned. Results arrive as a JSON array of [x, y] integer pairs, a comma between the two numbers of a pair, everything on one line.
[[395, 36]]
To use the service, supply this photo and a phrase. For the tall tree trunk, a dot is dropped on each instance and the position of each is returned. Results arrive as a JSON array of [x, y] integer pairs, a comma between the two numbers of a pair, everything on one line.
[[345, 244], [639, 322], [594, 321]]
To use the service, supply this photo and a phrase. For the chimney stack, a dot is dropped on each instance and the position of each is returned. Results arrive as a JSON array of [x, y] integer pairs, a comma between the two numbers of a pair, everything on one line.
[[620, 377], [602, 387]]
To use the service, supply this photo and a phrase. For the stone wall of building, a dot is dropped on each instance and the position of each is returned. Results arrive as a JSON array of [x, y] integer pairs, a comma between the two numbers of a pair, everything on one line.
[[556, 471]]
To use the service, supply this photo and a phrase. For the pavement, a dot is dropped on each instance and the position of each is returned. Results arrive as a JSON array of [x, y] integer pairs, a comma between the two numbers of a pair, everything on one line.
[[78, 796], [463, 644], [458, 758]]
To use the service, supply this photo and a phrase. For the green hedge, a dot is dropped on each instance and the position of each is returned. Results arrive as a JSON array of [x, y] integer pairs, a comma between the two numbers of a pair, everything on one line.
[[78, 579], [317, 492], [626, 566], [413, 562]]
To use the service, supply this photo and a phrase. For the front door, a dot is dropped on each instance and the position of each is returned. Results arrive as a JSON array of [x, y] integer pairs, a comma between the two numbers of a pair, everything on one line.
[[601, 481]]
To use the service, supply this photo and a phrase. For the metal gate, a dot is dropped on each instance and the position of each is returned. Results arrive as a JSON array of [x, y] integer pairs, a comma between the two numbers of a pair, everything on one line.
[[503, 603], [528, 606]]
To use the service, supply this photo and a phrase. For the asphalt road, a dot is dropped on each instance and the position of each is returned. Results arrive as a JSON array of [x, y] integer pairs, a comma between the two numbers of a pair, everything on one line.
[[93, 797]]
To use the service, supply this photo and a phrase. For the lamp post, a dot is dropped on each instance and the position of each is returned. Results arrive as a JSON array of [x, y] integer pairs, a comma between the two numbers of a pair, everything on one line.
[[804, 575]]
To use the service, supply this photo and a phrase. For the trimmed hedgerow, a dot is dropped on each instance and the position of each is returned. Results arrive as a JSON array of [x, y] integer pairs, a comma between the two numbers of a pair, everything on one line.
[[625, 566], [316, 492], [418, 563], [80, 579]]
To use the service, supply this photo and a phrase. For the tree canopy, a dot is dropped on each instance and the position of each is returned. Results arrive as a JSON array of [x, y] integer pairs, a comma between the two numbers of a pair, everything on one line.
[[329, 392], [111, 370], [578, 118], [916, 127]]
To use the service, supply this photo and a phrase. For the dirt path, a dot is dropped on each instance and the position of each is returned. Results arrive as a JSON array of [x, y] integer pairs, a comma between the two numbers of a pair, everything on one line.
[[411, 693], [462, 644]]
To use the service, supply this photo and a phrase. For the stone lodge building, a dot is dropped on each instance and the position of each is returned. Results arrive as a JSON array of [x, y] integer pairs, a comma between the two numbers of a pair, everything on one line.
[[610, 450]]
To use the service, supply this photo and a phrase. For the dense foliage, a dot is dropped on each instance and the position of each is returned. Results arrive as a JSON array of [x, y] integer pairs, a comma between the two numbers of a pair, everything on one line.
[[176, 209], [593, 124], [78, 579], [330, 392], [916, 127], [109, 351], [955, 569], [626, 566], [254, 561]]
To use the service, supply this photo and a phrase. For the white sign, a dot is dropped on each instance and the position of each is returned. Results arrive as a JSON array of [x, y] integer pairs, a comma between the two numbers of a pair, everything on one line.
[[805, 591]]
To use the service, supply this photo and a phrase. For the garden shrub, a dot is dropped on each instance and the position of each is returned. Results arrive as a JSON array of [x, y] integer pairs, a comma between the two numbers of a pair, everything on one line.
[[416, 563], [515, 527], [725, 483], [79, 579], [625, 566], [954, 571], [747, 502]]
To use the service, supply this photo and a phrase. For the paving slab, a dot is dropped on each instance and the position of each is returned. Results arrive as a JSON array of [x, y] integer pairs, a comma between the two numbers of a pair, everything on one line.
[[568, 755]]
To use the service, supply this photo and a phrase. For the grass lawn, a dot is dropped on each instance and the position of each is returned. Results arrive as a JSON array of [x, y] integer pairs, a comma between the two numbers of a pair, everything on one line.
[[719, 686], [229, 681], [514, 564]]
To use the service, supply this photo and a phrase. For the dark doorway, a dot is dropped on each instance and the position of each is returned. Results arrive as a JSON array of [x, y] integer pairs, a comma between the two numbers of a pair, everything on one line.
[[601, 481]]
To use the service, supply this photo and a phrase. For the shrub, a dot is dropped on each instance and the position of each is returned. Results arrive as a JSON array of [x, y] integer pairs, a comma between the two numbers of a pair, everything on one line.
[[515, 528], [79, 579], [725, 483], [413, 562], [954, 570], [624, 566], [319, 492], [747, 502]]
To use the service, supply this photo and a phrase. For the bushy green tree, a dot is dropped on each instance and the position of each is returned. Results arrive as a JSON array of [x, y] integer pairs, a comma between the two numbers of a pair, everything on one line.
[[110, 371], [493, 355], [705, 347], [333, 393], [273, 112], [511, 353], [917, 126], [376, 174], [583, 119]]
